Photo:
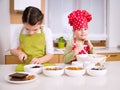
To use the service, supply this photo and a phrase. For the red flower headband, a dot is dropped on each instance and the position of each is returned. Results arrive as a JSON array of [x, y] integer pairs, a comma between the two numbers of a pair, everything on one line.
[[79, 19]]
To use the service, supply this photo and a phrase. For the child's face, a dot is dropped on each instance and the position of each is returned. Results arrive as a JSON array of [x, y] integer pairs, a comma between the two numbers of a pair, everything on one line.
[[81, 33], [31, 29]]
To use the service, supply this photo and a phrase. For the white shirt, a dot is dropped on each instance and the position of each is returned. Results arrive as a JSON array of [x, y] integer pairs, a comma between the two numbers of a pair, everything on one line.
[[48, 37]]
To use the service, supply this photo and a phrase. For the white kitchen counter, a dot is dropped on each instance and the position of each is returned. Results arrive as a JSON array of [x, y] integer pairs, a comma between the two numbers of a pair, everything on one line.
[[97, 50], [107, 50], [111, 81]]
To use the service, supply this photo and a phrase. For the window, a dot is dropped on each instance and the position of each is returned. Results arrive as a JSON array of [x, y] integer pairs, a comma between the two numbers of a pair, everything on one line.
[[58, 10]]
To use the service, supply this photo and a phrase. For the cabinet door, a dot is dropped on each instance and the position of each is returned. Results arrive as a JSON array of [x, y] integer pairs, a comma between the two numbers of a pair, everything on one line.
[[61, 58], [55, 59], [11, 59], [112, 56]]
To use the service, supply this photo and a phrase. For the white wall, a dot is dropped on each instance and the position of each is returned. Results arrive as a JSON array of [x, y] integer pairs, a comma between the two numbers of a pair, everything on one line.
[[113, 23], [4, 29]]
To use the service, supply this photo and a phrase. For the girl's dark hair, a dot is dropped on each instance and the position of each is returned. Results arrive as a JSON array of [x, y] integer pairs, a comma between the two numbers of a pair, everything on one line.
[[32, 16]]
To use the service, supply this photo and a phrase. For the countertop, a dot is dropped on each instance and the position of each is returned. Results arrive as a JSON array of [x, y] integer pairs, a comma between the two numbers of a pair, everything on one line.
[[110, 81], [97, 50]]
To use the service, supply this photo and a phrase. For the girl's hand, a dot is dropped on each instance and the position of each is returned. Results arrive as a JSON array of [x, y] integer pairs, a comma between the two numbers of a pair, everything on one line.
[[22, 56], [79, 47], [88, 42], [35, 61]]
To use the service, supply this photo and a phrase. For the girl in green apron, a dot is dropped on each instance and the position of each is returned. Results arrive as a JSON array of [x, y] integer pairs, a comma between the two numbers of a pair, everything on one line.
[[32, 39]]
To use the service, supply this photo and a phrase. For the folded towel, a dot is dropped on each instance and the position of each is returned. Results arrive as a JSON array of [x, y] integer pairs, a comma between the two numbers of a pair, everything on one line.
[[20, 68]]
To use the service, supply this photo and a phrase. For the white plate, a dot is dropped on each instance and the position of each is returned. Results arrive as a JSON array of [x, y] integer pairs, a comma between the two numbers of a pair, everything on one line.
[[53, 73], [7, 78]]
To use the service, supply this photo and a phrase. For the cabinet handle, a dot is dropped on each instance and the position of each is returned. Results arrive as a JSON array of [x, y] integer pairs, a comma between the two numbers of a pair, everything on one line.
[[113, 55]]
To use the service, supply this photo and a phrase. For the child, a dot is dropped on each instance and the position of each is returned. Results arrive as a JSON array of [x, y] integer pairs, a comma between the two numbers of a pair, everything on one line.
[[34, 40], [79, 44]]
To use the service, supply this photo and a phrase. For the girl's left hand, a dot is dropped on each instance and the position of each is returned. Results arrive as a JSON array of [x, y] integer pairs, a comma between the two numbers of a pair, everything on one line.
[[35, 61], [88, 42]]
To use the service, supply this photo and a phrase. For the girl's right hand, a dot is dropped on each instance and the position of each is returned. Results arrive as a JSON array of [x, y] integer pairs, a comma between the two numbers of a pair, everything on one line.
[[22, 56], [79, 47]]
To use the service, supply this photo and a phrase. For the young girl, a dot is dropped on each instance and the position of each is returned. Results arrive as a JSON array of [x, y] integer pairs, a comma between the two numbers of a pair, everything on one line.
[[79, 44], [34, 40]]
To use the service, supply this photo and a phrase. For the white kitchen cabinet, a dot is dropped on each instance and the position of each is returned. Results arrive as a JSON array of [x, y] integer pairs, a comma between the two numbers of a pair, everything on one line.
[[113, 23], [20, 5], [4, 28]]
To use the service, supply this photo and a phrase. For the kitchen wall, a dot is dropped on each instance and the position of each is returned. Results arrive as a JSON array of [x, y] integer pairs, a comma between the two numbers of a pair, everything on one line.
[[4, 28], [16, 14]]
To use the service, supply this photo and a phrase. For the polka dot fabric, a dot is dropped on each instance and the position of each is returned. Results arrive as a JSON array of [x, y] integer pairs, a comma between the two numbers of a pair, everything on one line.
[[79, 19]]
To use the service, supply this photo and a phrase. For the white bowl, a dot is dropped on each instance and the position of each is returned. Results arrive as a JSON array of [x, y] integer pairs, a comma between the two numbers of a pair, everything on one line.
[[97, 71], [33, 68], [94, 58], [88, 64], [53, 71], [74, 71]]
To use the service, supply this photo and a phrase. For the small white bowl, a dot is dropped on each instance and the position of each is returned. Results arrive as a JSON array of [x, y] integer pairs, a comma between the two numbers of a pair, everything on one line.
[[74, 71], [88, 64], [53, 71], [97, 71], [33, 68]]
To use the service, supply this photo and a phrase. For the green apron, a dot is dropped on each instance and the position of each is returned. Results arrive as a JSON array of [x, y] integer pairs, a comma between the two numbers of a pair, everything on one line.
[[33, 45]]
